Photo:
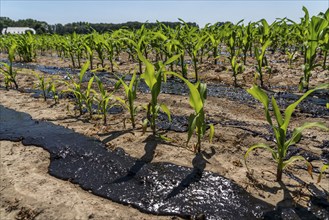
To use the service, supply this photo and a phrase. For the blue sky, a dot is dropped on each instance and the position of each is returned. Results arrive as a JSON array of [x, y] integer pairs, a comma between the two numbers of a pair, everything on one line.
[[118, 11]]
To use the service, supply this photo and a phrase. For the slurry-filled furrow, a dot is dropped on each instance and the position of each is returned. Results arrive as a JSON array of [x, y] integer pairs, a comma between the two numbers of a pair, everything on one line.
[[159, 188]]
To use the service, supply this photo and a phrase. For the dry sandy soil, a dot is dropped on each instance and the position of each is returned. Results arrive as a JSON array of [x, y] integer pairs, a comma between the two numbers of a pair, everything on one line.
[[27, 191]]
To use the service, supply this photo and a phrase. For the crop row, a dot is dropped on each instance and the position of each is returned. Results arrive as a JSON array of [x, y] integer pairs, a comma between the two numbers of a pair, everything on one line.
[[234, 42]]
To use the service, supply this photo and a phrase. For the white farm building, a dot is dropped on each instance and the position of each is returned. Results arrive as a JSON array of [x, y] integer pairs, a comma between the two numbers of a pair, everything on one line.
[[17, 30]]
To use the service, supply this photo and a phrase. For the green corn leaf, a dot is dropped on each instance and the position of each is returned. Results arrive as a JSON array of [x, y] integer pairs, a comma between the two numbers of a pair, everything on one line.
[[90, 83], [261, 96], [212, 132], [306, 16], [172, 59], [166, 110], [149, 74], [83, 70], [132, 82], [295, 158], [126, 88], [11, 52], [203, 91], [123, 102], [195, 97], [277, 112], [156, 89], [296, 135], [265, 46], [291, 108]]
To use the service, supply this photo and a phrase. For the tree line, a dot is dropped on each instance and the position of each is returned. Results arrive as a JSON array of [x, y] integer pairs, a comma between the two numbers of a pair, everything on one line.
[[42, 27]]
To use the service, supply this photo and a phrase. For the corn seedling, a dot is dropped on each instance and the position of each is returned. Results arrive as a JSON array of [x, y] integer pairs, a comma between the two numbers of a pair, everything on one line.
[[7, 69], [99, 47], [291, 57], [76, 88], [215, 40], [130, 91], [42, 85], [233, 40], [193, 43], [104, 99], [52, 89], [153, 79], [281, 128], [315, 31], [198, 95], [237, 69], [88, 97], [247, 35], [264, 42]]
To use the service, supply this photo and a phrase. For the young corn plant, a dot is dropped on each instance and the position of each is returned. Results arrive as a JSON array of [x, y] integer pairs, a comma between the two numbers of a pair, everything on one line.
[[153, 79], [233, 40], [291, 57], [100, 48], [248, 33], [52, 89], [104, 99], [42, 85], [260, 57], [215, 40], [316, 31], [76, 88], [198, 44], [130, 91], [264, 43], [88, 97], [110, 47], [237, 69], [198, 95], [280, 130], [7, 69]]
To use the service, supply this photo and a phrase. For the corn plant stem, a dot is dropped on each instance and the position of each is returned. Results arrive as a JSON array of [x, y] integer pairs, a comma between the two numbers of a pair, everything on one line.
[[132, 114], [12, 75], [140, 66], [153, 119], [184, 73], [91, 61], [44, 94], [215, 55], [72, 59], [195, 69], [235, 80], [199, 142], [279, 170]]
